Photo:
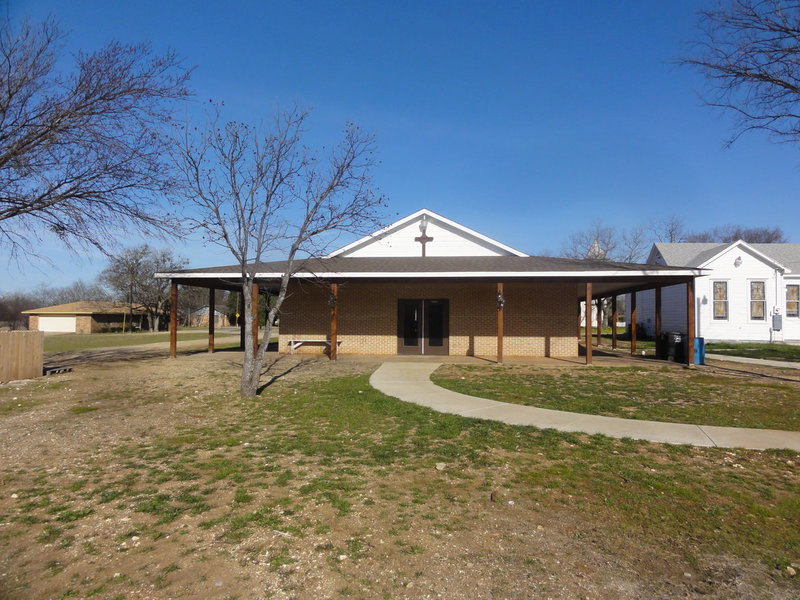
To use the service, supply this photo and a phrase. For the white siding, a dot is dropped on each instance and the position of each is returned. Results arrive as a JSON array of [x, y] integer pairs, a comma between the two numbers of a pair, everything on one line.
[[738, 325], [673, 309], [447, 241], [57, 324], [791, 325]]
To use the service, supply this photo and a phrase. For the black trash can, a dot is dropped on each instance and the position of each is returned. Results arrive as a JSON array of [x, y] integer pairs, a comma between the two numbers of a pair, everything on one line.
[[676, 347]]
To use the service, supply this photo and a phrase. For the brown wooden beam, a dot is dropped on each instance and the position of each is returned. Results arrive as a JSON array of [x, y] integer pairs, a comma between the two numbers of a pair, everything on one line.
[[500, 311], [211, 318], [173, 320], [614, 317], [333, 301], [633, 323], [588, 323], [659, 349], [690, 323], [255, 294], [240, 320]]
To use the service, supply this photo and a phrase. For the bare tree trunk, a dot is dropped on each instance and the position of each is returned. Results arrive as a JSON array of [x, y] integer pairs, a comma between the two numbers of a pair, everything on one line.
[[254, 363], [251, 368]]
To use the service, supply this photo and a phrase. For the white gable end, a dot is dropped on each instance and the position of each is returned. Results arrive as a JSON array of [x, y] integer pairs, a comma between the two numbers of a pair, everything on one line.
[[444, 238]]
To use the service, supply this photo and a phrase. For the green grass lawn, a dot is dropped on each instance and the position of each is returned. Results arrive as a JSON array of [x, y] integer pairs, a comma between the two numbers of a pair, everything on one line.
[[306, 457], [650, 393], [76, 341], [773, 351]]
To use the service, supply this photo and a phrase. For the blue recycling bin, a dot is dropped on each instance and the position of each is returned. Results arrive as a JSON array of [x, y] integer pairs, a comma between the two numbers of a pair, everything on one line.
[[699, 351]]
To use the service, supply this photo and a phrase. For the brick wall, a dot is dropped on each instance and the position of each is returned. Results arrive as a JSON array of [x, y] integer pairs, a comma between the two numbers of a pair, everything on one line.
[[540, 318], [84, 324], [33, 322]]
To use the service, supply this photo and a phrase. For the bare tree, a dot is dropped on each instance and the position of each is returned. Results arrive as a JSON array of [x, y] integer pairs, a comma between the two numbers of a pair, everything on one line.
[[262, 191], [81, 154], [749, 54], [670, 229], [602, 242], [11, 307], [634, 245], [131, 275], [599, 242], [78, 291], [732, 233]]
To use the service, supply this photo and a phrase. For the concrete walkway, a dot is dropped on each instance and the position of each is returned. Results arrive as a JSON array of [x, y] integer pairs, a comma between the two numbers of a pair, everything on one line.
[[781, 364], [410, 382]]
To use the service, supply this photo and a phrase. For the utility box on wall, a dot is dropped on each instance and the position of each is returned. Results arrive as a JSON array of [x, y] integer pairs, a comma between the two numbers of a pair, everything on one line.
[[777, 322]]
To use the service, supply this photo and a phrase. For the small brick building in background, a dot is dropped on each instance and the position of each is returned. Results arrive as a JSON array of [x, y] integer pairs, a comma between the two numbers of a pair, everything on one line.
[[86, 317], [428, 285]]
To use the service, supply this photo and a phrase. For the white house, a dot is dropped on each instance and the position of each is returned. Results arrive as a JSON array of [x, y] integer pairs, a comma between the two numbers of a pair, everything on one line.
[[748, 292]]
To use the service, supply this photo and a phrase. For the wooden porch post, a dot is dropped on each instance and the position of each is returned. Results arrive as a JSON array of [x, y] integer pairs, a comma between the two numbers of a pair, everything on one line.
[[588, 323], [173, 319], [334, 337], [579, 320], [633, 323], [211, 318], [690, 322], [614, 317], [599, 303], [659, 349], [500, 309], [241, 321], [255, 318]]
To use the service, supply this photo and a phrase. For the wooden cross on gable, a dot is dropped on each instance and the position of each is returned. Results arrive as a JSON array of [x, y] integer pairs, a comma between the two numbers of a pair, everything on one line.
[[424, 238]]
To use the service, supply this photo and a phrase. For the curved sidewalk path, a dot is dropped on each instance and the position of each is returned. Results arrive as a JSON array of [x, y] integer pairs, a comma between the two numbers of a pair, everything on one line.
[[410, 382]]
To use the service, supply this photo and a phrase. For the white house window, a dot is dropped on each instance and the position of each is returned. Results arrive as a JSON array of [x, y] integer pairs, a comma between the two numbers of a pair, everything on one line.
[[758, 301], [793, 300], [721, 300]]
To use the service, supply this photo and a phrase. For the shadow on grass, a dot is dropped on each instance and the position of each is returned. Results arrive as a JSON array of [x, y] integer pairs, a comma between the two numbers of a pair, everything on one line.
[[754, 374], [283, 365], [73, 358]]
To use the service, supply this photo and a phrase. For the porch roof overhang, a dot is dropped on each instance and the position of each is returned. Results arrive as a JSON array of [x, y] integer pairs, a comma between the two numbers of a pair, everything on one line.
[[608, 278]]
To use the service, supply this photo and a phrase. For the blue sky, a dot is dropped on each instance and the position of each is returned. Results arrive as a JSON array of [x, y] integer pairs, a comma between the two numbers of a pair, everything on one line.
[[524, 120]]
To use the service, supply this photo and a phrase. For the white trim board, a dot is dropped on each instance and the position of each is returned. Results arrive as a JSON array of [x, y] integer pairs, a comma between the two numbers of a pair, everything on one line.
[[444, 274]]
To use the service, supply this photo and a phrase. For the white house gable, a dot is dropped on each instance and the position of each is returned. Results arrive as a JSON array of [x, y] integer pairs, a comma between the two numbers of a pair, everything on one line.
[[426, 230], [743, 287]]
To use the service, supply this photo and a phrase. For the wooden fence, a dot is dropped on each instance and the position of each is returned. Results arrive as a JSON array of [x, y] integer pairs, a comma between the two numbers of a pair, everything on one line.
[[21, 354]]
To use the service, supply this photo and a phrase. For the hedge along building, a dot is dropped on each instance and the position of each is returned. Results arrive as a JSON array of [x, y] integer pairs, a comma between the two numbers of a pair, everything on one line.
[[426, 285]]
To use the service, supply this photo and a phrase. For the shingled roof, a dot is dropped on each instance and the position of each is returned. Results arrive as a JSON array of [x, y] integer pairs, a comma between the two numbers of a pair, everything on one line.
[[86, 308], [693, 254], [472, 266]]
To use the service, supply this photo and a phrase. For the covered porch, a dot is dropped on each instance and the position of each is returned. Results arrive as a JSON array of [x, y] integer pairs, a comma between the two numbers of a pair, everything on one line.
[[517, 317]]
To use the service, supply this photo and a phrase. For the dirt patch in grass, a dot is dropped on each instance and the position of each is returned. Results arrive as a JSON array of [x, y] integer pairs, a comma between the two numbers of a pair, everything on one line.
[[709, 395], [173, 487]]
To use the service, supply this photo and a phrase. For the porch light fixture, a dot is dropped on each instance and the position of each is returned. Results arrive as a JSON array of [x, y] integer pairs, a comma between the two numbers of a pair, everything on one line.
[[501, 301], [738, 262]]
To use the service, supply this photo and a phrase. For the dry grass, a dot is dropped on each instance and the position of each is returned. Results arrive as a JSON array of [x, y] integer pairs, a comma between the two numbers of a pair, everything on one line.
[[152, 479]]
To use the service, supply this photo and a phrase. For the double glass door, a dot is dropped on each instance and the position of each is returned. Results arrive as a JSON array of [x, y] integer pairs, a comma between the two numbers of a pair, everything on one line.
[[422, 326]]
